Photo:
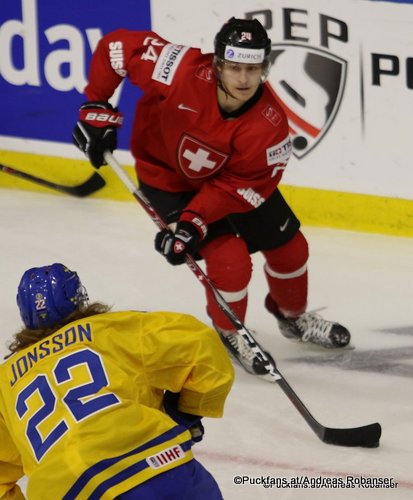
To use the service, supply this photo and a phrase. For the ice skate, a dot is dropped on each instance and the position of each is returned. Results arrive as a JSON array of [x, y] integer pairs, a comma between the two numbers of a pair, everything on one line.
[[240, 350], [310, 327]]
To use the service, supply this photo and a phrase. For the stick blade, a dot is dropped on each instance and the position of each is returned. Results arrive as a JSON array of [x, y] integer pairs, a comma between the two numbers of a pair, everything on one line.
[[91, 185], [86, 188], [367, 436]]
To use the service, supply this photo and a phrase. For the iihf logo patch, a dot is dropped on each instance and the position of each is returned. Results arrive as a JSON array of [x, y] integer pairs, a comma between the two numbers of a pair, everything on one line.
[[309, 84], [165, 457]]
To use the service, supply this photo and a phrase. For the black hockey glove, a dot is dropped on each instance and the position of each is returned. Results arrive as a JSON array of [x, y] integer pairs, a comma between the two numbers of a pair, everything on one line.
[[191, 422], [96, 131], [175, 246]]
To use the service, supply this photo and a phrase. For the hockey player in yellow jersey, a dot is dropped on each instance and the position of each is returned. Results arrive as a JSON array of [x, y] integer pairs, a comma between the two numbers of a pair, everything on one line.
[[102, 405]]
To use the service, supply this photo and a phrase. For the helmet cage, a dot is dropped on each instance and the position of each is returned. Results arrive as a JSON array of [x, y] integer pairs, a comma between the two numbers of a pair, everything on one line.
[[219, 63]]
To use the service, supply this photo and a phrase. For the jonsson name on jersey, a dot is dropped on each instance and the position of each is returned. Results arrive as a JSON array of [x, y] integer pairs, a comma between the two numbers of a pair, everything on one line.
[[51, 345]]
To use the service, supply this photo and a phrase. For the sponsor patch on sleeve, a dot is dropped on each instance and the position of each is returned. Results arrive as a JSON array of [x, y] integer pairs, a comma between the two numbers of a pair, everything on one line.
[[166, 457], [280, 153], [272, 115], [168, 62]]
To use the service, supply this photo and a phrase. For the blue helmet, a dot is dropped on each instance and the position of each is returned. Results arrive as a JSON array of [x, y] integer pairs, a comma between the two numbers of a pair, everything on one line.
[[47, 295]]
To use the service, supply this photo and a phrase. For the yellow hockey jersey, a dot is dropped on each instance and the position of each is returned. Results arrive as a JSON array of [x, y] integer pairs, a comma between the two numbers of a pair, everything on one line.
[[81, 410]]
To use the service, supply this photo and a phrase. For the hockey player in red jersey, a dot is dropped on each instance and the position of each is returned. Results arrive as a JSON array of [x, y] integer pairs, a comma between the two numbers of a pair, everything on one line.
[[211, 143]]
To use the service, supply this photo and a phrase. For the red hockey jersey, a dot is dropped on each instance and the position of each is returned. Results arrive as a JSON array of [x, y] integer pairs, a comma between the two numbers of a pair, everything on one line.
[[181, 141]]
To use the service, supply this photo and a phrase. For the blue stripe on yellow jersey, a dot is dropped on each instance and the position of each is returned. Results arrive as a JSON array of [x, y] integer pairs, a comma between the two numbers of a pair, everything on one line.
[[133, 469]]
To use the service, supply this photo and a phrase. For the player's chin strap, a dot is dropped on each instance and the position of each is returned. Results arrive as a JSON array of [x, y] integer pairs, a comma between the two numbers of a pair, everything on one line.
[[366, 436]]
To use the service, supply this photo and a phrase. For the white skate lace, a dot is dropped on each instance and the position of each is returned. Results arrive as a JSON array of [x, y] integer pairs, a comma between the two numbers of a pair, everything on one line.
[[240, 345], [314, 327]]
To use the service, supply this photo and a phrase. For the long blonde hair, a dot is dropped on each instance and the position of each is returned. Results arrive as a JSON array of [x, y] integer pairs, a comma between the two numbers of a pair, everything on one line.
[[27, 336]]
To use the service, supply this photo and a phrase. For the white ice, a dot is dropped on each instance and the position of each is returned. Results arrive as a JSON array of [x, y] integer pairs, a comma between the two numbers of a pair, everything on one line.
[[363, 280]]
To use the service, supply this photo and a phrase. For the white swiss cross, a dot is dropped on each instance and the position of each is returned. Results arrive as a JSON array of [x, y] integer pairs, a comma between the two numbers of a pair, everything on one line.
[[179, 247], [198, 160]]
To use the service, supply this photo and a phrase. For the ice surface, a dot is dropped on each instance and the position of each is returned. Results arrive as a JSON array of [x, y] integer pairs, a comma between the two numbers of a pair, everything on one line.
[[365, 281]]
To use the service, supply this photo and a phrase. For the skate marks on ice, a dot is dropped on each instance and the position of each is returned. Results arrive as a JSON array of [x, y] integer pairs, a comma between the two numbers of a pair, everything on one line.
[[390, 361], [401, 330]]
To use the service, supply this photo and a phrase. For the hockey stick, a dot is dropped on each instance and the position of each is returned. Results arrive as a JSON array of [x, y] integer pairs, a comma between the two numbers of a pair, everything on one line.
[[367, 436], [89, 186]]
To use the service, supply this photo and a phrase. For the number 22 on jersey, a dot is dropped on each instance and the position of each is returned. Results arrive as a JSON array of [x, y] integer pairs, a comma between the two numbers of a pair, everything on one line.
[[51, 416]]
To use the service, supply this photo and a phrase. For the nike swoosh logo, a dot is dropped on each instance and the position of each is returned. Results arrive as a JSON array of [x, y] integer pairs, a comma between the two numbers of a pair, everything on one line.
[[186, 108], [284, 226]]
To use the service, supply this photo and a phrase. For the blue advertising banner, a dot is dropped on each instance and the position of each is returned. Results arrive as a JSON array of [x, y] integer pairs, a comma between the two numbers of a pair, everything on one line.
[[45, 50]]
